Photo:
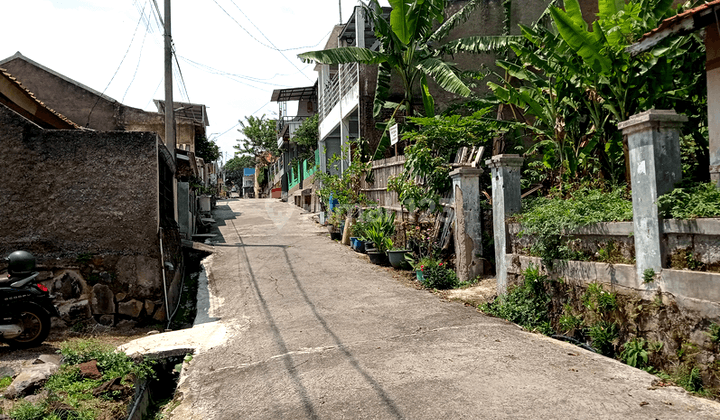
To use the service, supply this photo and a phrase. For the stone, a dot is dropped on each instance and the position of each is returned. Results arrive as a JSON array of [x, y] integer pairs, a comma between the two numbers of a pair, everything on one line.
[[89, 370], [6, 371], [52, 359], [37, 398], [133, 308], [149, 306], [106, 320], [30, 379], [69, 284], [126, 325], [105, 276], [120, 296], [103, 300], [141, 274], [160, 314], [74, 312]]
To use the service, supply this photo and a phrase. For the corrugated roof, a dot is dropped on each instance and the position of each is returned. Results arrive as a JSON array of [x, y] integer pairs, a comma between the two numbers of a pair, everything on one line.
[[294, 94], [196, 112], [686, 22], [65, 122]]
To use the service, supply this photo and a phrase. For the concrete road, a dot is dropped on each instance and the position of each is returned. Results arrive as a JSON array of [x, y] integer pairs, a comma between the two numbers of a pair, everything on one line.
[[316, 331]]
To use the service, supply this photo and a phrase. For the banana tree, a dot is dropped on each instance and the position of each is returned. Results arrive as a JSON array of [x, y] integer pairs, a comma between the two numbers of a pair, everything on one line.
[[407, 50]]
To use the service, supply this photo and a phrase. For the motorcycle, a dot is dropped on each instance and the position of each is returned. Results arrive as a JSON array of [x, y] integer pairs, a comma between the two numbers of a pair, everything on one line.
[[25, 304]]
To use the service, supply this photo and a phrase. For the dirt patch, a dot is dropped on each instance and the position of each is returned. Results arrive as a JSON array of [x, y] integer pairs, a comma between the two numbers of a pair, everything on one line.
[[482, 292]]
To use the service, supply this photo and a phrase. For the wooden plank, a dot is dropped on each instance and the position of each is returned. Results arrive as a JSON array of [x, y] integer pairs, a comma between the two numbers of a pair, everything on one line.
[[479, 155]]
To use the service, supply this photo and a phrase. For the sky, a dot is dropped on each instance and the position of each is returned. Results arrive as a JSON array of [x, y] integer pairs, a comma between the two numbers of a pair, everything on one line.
[[232, 53]]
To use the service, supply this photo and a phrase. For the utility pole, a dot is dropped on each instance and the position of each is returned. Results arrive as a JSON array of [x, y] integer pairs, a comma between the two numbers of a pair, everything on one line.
[[340, 9], [169, 104]]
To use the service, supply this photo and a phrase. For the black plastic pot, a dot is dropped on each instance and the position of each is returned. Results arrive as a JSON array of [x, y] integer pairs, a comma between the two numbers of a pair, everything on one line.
[[378, 258], [397, 259], [336, 236]]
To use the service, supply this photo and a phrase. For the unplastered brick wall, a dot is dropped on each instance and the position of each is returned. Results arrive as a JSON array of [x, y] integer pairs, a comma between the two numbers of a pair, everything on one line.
[[87, 202]]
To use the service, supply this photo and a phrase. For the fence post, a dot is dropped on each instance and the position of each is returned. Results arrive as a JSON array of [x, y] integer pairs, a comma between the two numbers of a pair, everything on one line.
[[468, 228], [505, 203], [655, 167]]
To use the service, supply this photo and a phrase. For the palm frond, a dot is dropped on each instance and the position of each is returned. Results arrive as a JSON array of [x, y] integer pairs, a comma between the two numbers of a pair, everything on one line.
[[453, 21], [444, 76], [480, 44], [344, 55], [383, 88]]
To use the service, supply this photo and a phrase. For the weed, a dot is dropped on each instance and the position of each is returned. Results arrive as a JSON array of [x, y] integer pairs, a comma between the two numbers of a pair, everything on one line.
[[611, 254], [27, 411], [690, 379], [648, 275], [438, 276], [713, 333], [604, 335], [655, 346], [597, 300], [112, 364], [634, 353], [569, 322], [5, 382], [525, 304], [691, 200]]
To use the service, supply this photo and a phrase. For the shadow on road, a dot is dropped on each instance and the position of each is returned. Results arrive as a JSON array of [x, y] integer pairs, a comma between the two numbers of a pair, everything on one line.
[[287, 359]]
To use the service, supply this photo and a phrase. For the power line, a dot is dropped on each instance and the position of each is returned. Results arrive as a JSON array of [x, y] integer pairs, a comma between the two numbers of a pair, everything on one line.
[[224, 73], [271, 46], [142, 15], [87, 124]]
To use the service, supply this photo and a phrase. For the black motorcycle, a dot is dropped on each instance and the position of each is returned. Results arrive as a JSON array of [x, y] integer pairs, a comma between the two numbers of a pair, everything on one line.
[[25, 304]]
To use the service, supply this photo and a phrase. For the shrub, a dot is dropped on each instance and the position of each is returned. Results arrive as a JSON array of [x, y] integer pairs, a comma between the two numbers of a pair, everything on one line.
[[525, 304], [690, 201], [438, 276], [634, 353]]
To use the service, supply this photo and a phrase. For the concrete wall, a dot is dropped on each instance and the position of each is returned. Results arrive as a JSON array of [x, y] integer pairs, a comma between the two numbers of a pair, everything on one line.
[[86, 204]]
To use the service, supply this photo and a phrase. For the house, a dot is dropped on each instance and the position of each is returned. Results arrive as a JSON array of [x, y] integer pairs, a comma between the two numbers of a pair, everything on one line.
[[248, 187], [94, 207], [696, 19], [294, 177]]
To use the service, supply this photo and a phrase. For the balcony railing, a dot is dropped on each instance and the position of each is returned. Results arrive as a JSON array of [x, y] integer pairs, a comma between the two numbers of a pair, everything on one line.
[[337, 87]]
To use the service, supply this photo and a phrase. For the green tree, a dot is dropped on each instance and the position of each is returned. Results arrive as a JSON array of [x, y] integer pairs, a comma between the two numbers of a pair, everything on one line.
[[234, 167], [260, 139], [206, 149], [307, 136], [408, 48]]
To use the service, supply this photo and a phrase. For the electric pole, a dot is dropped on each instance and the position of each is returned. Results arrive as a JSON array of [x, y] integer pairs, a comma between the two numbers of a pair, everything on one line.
[[169, 104]]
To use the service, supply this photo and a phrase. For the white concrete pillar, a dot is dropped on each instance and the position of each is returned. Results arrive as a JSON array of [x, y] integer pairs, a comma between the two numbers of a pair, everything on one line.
[[468, 226], [655, 167], [506, 202]]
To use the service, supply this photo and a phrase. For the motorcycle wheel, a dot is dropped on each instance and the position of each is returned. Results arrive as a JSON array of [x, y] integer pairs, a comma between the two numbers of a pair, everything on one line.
[[36, 327]]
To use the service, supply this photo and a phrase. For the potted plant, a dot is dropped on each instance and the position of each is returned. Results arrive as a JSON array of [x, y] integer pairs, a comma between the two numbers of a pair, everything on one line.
[[396, 255], [382, 243], [379, 228], [335, 224]]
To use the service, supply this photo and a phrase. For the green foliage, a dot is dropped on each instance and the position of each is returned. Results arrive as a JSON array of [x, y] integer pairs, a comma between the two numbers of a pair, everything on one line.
[[111, 364], [690, 379], [648, 275], [612, 254], [525, 304], [549, 219], [634, 353], [604, 335], [436, 275], [569, 322], [307, 136], [379, 227], [260, 139], [344, 187], [690, 201], [234, 168], [27, 411], [597, 300], [5, 382], [206, 149], [713, 333]]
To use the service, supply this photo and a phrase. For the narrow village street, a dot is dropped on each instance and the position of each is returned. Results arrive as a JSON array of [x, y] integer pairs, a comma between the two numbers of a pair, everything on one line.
[[316, 331]]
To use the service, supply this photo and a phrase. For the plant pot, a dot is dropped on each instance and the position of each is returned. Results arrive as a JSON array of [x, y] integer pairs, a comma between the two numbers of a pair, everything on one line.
[[336, 236], [331, 228], [419, 275], [322, 218], [370, 250], [397, 259], [369, 245], [360, 246], [378, 258]]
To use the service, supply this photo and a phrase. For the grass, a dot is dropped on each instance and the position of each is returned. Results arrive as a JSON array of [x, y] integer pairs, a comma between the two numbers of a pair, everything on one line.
[[70, 396]]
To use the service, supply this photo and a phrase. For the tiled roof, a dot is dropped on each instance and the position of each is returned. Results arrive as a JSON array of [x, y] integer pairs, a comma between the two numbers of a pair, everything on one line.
[[683, 23], [31, 95]]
